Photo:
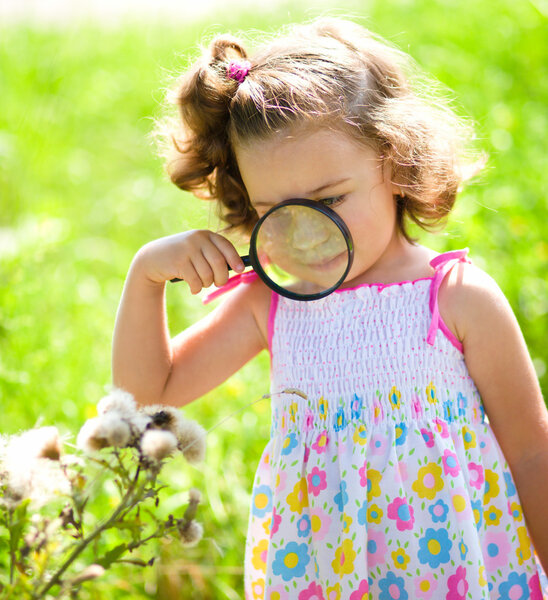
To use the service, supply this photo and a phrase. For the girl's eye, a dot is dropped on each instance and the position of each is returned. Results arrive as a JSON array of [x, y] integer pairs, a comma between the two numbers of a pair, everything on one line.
[[333, 201]]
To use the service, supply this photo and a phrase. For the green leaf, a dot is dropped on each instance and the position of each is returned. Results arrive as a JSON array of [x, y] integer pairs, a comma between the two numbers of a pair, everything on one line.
[[112, 556]]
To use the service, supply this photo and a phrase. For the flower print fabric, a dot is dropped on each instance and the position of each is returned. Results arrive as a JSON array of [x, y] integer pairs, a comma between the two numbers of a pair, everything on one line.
[[385, 481]]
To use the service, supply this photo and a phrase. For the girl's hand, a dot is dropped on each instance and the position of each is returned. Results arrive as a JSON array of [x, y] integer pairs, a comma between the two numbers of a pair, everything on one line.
[[199, 257]]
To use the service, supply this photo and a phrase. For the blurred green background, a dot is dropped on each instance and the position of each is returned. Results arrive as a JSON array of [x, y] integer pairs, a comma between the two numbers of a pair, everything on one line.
[[81, 189]]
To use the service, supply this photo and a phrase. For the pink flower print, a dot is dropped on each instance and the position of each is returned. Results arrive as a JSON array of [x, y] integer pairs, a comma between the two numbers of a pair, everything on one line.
[[476, 475], [276, 520], [441, 428], [428, 437], [379, 444], [416, 406], [402, 466], [534, 587], [458, 586], [308, 424], [485, 443], [320, 522], [496, 549], [376, 548], [306, 453], [402, 513], [362, 472], [425, 586], [316, 481], [450, 463], [320, 445], [362, 593], [312, 592], [277, 593]]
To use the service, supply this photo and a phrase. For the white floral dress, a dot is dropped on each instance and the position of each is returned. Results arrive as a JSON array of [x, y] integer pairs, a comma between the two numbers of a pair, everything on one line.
[[382, 478]]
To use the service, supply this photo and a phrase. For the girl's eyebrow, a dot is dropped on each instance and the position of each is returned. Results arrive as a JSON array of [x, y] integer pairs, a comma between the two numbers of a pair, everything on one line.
[[311, 193]]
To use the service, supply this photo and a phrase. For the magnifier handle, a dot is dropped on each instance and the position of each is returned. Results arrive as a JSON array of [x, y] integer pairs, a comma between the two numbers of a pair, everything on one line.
[[245, 260]]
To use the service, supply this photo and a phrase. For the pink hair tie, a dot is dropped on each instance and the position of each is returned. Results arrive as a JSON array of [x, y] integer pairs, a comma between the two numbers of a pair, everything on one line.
[[238, 70]]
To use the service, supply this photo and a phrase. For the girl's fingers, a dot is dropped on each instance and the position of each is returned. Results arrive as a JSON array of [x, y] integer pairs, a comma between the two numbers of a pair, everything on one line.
[[204, 270], [218, 263], [188, 273], [229, 252]]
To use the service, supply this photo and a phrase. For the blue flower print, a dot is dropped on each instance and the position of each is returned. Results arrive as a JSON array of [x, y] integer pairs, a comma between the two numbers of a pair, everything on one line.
[[342, 497], [289, 442], [401, 434], [439, 511], [477, 510], [303, 526], [356, 407], [510, 487], [262, 500], [513, 585], [434, 547], [463, 550], [448, 411], [362, 514], [462, 403], [291, 561], [339, 420], [392, 587]]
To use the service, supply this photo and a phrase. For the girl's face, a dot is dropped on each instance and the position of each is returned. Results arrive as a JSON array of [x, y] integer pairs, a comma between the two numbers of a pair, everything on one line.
[[330, 167]]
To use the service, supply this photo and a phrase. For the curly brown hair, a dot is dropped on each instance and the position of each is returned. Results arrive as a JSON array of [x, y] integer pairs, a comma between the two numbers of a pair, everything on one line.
[[329, 73]]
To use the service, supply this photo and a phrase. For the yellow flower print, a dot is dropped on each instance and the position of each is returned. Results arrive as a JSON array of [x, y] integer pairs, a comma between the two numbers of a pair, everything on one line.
[[491, 486], [517, 511], [400, 558], [469, 438], [343, 563], [374, 514], [266, 526], [323, 406], [347, 521], [298, 498], [334, 592], [293, 411], [492, 515], [429, 481], [258, 589], [373, 480], [259, 556], [524, 551], [481, 579], [360, 435], [395, 398], [431, 393]]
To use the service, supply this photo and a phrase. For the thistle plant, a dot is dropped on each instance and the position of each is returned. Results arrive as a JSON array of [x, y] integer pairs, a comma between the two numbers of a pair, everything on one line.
[[51, 541]]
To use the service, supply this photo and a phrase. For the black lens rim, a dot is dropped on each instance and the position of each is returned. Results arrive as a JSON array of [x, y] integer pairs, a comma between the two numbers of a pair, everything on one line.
[[316, 205]]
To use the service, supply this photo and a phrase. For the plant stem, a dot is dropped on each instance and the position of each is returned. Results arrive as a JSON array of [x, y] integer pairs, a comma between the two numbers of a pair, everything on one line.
[[129, 500]]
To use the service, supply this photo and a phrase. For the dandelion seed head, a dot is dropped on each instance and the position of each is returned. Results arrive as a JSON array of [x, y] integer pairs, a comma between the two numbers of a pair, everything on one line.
[[158, 444], [118, 401], [191, 533], [194, 495], [116, 430], [91, 436], [191, 438]]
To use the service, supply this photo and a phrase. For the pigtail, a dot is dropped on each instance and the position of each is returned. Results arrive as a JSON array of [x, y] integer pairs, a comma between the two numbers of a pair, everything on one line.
[[200, 158]]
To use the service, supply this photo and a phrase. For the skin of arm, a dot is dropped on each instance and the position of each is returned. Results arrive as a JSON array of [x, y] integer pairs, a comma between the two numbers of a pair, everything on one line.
[[160, 370], [498, 361]]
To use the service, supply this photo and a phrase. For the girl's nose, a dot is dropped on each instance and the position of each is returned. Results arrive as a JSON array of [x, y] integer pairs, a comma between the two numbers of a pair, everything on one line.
[[308, 231]]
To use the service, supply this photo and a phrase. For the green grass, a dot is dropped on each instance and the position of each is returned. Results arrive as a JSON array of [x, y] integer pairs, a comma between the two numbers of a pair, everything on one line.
[[81, 190]]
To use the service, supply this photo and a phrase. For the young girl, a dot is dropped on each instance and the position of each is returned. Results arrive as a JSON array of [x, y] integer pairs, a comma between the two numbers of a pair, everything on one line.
[[409, 447]]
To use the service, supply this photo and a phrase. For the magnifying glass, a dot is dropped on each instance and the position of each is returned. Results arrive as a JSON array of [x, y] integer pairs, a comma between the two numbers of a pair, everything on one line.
[[301, 249]]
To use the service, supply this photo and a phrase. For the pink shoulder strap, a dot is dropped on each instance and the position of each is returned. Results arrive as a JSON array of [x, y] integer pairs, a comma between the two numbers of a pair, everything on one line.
[[246, 277], [443, 263]]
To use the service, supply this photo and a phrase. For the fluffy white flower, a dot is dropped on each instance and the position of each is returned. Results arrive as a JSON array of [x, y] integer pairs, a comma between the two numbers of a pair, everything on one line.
[[191, 533], [191, 438], [157, 444], [118, 401], [100, 432]]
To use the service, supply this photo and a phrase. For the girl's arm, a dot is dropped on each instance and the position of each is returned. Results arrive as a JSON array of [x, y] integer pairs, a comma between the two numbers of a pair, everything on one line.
[[499, 363], [156, 369]]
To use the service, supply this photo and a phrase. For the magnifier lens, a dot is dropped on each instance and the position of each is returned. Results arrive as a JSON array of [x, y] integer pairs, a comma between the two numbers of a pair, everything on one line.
[[304, 248]]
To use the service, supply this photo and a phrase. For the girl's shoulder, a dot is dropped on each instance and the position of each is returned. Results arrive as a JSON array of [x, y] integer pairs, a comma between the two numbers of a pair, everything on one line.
[[470, 300]]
